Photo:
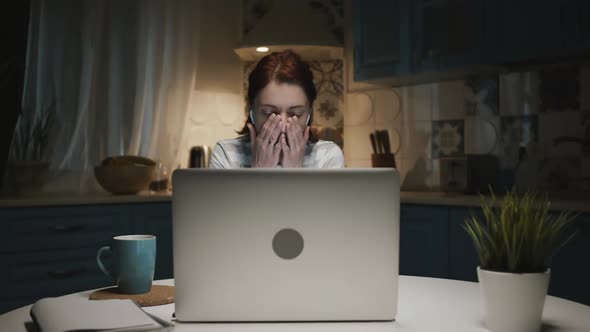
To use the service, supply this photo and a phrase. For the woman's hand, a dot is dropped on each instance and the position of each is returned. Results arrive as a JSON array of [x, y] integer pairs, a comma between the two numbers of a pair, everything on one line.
[[294, 152], [266, 149]]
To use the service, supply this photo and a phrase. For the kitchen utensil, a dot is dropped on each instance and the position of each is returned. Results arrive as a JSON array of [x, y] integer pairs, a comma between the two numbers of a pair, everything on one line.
[[381, 142], [382, 156], [199, 156], [386, 141], [373, 143]]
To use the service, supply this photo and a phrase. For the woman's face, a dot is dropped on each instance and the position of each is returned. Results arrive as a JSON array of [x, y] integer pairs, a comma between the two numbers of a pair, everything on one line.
[[284, 99]]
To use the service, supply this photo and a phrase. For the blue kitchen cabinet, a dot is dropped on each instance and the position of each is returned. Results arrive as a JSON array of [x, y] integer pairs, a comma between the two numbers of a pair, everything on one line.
[[50, 251], [426, 18], [566, 29], [522, 30], [403, 38], [569, 274], [582, 22], [30, 276], [381, 37], [424, 241], [64, 227], [417, 41], [463, 260], [156, 219], [448, 34], [570, 270], [542, 31]]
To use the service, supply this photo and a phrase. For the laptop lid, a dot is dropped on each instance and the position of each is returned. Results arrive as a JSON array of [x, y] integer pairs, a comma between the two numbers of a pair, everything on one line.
[[285, 245]]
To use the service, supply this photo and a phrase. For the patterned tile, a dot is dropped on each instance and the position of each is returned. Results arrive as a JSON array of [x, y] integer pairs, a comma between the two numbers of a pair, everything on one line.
[[481, 96], [417, 102], [560, 89], [330, 134], [481, 134], [357, 142], [328, 111], [327, 76], [448, 138], [561, 133], [561, 174], [517, 132], [448, 100], [422, 174], [386, 104], [416, 140], [519, 93]]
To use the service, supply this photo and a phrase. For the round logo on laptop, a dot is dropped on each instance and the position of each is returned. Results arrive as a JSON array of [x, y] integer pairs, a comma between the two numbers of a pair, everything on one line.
[[287, 243]]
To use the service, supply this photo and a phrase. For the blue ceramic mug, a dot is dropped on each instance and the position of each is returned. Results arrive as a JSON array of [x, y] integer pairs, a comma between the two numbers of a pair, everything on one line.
[[133, 263]]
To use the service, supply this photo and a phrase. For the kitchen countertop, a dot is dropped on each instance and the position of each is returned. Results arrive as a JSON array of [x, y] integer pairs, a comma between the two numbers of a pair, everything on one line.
[[81, 199], [561, 202], [573, 202]]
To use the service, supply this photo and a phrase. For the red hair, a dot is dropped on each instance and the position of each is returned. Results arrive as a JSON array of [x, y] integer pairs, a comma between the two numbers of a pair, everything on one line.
[[281, 67]]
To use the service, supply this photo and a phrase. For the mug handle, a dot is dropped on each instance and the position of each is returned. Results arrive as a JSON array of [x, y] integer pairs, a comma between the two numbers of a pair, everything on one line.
[[99, 261]]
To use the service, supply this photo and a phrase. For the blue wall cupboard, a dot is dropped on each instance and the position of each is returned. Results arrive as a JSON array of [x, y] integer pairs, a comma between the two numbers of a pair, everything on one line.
[[414, 41], [381, 39]]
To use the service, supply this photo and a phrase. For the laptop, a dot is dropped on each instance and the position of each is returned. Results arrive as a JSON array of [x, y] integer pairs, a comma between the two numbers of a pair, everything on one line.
[[271, 245]]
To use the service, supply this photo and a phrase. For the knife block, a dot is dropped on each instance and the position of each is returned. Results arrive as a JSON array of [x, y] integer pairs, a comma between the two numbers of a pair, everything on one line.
[[383, 160]]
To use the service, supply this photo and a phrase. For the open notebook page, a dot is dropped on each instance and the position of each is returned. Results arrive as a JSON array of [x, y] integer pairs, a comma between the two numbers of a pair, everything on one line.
[[75, 314]]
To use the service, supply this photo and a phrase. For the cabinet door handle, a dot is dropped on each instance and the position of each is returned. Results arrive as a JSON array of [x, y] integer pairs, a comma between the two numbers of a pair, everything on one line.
[[61, 274], [66, 229]]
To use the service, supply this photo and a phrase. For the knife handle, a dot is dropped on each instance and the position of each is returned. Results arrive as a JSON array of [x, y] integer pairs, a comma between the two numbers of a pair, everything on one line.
[[386, 141], [373, 144], [381, 142]]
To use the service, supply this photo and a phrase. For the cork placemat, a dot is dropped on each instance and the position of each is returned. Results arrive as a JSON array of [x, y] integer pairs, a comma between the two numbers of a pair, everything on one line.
[[158, 295]]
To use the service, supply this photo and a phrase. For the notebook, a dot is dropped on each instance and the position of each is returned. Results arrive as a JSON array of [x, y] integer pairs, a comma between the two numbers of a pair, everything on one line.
[[62, 314]]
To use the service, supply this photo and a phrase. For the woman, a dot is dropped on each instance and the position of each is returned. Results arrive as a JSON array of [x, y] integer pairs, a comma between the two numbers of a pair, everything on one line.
[[277, 132]]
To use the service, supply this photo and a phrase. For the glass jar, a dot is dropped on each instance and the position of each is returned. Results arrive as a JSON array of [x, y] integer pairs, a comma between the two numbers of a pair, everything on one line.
[[161, 180]]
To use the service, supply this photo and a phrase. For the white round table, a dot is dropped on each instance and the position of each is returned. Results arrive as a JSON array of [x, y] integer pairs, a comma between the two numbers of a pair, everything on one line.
[[424, 304]]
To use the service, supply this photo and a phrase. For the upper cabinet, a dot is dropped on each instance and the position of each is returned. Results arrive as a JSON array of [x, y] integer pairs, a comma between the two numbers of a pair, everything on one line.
[[381, 39], [541, 31], [447, 33], [408, 41]]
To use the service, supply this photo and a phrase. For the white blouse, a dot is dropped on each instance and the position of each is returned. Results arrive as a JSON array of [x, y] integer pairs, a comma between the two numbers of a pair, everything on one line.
[[236, 153]]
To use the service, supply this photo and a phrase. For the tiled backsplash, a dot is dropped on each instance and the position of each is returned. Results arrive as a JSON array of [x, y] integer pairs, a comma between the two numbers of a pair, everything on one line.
[[536, 123], [328, 75]]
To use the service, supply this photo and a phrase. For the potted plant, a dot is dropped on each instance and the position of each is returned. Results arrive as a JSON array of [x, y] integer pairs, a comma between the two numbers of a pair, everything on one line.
[[515, 240], [28, 168]]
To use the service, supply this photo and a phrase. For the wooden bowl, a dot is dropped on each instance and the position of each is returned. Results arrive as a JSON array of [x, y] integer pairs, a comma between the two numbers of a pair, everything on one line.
[[125, 178]]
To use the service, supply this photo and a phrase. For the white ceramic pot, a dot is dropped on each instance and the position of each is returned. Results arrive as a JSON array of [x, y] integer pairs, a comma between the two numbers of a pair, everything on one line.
[[513, 301]]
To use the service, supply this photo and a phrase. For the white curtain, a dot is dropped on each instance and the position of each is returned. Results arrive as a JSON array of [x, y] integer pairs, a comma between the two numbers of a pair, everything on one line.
[[117, 77]]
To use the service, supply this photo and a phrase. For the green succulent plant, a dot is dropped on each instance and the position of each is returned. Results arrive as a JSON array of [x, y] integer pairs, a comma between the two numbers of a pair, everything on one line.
[[517, 233]]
